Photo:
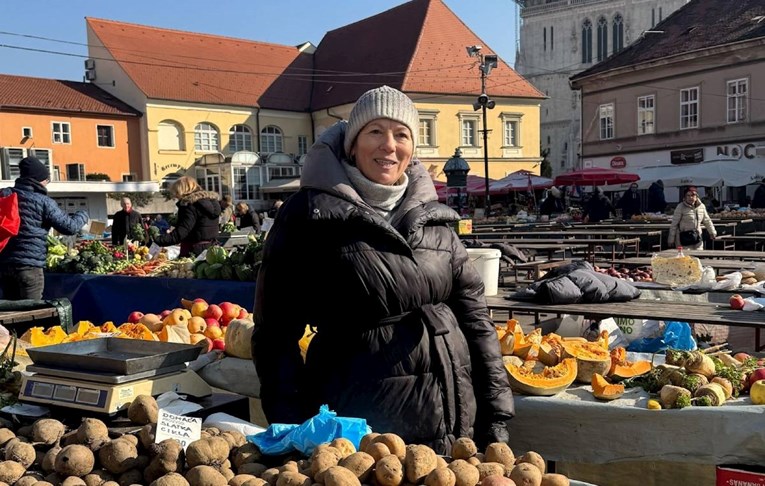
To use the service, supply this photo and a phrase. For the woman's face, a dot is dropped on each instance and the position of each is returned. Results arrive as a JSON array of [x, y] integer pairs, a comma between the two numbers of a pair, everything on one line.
[[383, 150], [690, 197]]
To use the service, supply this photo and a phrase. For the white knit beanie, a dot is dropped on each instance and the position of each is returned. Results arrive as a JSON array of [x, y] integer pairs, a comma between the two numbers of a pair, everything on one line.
[[383, 102]]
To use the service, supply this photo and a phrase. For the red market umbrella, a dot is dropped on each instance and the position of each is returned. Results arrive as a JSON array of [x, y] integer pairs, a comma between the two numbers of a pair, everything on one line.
[[476, 185], [440, 190], [521, 180], [595, 176]]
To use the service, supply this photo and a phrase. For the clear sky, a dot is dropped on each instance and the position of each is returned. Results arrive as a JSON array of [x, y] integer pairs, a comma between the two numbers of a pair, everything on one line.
[[288, 22]]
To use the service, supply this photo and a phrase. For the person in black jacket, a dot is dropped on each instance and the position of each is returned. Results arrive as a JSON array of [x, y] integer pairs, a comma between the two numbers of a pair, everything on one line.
[[656, 202], [123, 222], [630, 202], [196, 227], [23, 258], [553, 203], [246, 218], [404, 338], [758, 201], [598, 208]]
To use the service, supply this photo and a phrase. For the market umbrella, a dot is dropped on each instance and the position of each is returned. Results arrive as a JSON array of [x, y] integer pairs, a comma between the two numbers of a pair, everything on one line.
[[521, 180], [440, 190], [476, 185], [595, 176]]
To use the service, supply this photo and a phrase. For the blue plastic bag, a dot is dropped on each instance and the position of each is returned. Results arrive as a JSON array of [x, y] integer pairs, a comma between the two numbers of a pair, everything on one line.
[[324, 427], [677, 335]]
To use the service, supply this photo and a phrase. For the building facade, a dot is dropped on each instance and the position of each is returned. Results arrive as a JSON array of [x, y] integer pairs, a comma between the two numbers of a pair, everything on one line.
[[690, 95], [558, 39]]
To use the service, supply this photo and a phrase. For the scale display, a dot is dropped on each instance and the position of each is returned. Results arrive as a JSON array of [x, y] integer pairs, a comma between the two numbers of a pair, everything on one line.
[[64, 393]]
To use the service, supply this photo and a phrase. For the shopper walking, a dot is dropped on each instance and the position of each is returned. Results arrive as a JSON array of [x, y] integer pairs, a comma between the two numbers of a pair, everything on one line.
[[690, 215]]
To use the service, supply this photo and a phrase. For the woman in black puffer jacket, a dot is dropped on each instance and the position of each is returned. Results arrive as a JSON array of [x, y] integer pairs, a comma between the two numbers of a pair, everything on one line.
[[197, 224], [404, 335]]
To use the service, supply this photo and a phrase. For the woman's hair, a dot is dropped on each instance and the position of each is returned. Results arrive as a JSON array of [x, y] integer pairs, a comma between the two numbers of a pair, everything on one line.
[[184, 186], [690, 189], [242, 207]]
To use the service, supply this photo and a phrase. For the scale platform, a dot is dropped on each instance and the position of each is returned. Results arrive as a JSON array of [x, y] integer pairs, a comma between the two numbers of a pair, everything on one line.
[[96, 383]]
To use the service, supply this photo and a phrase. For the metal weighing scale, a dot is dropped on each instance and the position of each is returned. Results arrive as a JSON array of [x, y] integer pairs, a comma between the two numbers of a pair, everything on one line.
[[104, 375]]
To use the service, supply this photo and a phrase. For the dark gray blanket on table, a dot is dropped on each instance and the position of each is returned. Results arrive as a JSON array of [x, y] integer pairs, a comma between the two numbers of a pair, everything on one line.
[[578, 282]]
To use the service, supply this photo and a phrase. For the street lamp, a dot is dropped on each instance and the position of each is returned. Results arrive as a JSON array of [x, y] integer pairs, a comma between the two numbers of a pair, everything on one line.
[[487, 63]]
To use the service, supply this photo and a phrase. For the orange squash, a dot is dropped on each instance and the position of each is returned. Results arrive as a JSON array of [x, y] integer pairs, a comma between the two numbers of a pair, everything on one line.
[[37, 336], [604, 390], [622, 368], [591, 358], [532, 378], [506, 336], [108, 326], [551, 349], [136, 331]]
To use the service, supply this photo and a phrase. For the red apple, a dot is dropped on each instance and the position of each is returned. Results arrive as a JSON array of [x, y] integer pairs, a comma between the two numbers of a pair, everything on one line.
[[213, 312], [736, 302], [756, 375], [212, 322], [207, 345], [199, 300], [242, 314], [741, 357], [134, 317], [230, 311], [164, 313], [219, 344]]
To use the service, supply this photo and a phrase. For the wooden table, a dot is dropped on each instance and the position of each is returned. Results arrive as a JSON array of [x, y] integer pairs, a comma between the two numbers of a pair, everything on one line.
[[714, 263], [725, 254], [641, 309], [9, 318], [590, 243]]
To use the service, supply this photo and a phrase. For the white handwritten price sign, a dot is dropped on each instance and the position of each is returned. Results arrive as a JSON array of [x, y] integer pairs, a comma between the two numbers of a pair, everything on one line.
[[179, 427]]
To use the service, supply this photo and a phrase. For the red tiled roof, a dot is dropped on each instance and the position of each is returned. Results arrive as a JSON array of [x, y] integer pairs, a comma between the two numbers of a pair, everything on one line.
[[417, 47], [186, 66], [55, 95]]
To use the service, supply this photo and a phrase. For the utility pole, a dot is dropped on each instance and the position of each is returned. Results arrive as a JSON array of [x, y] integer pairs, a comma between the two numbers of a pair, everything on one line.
[[487, 63]]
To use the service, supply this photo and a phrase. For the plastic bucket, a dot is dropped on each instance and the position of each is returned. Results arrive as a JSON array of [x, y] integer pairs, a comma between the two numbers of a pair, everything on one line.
[[486, 263]]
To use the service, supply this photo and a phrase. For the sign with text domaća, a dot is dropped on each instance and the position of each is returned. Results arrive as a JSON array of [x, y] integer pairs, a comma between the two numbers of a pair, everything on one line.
[[689, 156]]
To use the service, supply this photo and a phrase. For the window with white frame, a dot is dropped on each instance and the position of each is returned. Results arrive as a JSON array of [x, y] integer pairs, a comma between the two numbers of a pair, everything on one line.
[[646, 111], [469, 131], [62, 132], [511, 123], [247, 182], [11, 156], [281, 172], [170, 135], [738, 92], [105, 135], [606, 121], [131, 177], [240, 138], [426, 129], [208, 180], [302, 145], [689, 108], [271, 140], [205, 137]]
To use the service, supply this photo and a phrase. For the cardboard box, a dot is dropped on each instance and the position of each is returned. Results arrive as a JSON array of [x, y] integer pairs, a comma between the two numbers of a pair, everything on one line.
[[736, 475]]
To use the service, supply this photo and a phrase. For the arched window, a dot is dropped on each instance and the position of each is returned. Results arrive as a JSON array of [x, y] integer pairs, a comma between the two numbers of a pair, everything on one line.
[[170, 135], [618, 33], [271, 140], [602, 39], [240, 138], [586, 42], [206, 137]]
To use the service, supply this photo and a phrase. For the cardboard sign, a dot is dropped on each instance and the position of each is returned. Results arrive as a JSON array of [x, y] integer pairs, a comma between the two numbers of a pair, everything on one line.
[[179, 427]]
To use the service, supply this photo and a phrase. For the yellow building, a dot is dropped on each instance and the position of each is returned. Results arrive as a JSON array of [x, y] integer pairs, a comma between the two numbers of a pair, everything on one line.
[[238, 114]]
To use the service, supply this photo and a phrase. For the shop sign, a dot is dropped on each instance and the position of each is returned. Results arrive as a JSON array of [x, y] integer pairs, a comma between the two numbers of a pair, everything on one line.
[[618, 163], [737, 151], [691, 156]]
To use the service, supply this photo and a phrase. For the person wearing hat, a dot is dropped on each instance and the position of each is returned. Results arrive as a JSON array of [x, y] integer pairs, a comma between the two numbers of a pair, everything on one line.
[[553, 203], [404, 337], [23, 259], [690, 215], [656, 202]]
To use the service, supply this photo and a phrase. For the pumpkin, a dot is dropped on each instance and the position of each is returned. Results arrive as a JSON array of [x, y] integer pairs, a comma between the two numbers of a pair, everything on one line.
[[551, 349], [239, 338], [506, 336], [591, 358], [526, 346], [136, 331], [602, 389], [622, 368], [37, 336], [82, 328], [107, 327], [532, 378]]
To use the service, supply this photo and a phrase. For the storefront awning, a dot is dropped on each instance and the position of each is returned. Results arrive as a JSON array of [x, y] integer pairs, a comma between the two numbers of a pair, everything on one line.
[[281, 185]]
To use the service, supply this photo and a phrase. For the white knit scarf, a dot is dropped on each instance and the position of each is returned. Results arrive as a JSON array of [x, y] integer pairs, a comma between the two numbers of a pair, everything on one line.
[[382, 198]]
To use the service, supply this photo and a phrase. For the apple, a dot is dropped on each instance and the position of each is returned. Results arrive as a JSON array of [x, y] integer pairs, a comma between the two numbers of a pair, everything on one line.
[[230, 311], [736, 302], [212, 322], [219, 344], [134, 317], [199, 308], [756, 375], [741, 357], [213, 312], [164, 313], [757, 392], [242, 314]]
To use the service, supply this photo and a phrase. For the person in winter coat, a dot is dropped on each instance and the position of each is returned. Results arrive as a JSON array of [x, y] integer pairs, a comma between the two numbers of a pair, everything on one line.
[[689, 216], [23, 259], [226, 210], [630, 202], [758, 201], [246, 218], [656, 202], [123, 222], [197, 222], [404, 338], [553, 203], [598, 208]]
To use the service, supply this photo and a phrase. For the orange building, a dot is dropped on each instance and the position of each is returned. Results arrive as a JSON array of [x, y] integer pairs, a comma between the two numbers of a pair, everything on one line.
[[75, 128]]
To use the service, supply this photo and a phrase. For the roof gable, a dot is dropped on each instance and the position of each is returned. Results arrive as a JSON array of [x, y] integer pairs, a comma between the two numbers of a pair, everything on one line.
[[186, 66], [423, 53], [699, 24], [23, 92]]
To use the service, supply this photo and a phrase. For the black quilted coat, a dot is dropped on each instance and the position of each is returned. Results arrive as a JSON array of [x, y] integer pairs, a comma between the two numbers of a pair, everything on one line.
[[197, 220], [404, 336]]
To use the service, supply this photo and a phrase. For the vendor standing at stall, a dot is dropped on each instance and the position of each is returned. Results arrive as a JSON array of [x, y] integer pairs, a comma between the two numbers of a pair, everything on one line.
[[23, 258], [598, 208], [404, 336], [246, 217], [123, 222], [196, 227], [629, 203]]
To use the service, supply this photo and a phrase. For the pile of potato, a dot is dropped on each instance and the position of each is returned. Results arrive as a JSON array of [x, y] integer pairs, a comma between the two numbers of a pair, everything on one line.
[[46, 454]]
